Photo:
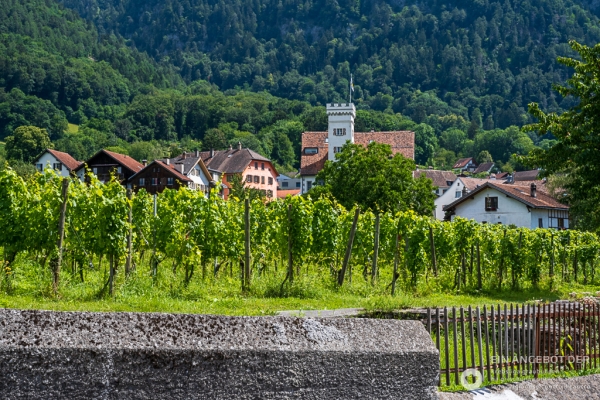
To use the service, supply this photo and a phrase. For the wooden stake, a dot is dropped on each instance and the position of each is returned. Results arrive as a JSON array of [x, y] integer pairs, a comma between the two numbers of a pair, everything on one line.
[[396, 260], [246, 275], [348, 248], [432, 245], [129, 235], [375, 250], [56, 264], [290, 259]]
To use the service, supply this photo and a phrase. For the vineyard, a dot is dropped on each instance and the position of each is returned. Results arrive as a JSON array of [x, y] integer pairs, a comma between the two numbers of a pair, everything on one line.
[[99, 238]]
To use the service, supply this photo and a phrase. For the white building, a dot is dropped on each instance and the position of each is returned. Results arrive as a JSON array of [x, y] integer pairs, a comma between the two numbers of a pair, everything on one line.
[[456, 190], [497, 203], [318, 147], [61, 162]]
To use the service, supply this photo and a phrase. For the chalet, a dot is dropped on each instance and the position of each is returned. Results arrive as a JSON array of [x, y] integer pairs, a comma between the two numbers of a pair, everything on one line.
[[61, 162], [186, 170], [511, 204], [254, 170], [465, 165], [106, 163], [318, 147], [457, 189], [442, 180]]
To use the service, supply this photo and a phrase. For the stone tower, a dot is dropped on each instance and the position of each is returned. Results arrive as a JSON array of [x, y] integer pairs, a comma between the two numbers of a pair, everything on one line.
[[341, 126]]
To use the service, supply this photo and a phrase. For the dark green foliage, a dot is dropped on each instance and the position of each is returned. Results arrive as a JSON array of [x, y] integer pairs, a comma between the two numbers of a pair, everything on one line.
[[26, 143], [372, 179]]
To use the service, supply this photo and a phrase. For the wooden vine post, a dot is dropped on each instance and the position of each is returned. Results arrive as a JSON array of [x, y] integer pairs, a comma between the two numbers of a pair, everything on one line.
[[246, 271], [432, 245], [129, 234], [56, 263], [396, 260], [342, 273], [375, 250], [479, 285], [290, 259]]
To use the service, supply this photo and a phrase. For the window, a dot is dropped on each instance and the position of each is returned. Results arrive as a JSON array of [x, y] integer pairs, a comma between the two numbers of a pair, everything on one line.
[[540, 222], [118, 170], [170, 181], [262, 166], [337, 149], [298, 184], [339, 131], [57, 166], [308, 185], [154, 181], [270, 181], [40, 167], [561, 223], [458, 194], [142, 182], [262, 180], [256, 179], [449, 183], [311, 150], [255, 165], [283, 184], [556, 218], [249, 178], [444, 191], [491, 203], [95, 171]]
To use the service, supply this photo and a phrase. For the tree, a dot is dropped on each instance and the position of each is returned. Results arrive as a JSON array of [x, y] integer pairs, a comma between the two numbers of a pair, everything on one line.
[[214, 139], [373, 178], [578, 133], [484, 157], [26, 143]]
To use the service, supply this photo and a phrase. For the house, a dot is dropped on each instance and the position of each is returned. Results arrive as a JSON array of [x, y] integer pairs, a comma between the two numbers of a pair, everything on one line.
[[186, 170], [61, 162], [484, 168], [465, 164], [531, 175], [318, 147], [255, 171], [442, 180], [461, 186], [287, 183], [509, 204], [106, 163]]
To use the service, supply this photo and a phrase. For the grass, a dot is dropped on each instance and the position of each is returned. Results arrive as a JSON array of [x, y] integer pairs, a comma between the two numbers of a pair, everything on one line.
[[73, 128]]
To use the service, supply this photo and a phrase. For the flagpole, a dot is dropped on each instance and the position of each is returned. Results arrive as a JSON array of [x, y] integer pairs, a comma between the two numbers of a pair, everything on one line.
[[350, 89]]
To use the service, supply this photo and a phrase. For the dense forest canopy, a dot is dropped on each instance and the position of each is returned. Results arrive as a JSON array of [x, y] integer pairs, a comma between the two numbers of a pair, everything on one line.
[[152, 78]]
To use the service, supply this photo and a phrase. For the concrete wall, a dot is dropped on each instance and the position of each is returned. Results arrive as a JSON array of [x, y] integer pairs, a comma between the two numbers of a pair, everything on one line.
[[164, 356]]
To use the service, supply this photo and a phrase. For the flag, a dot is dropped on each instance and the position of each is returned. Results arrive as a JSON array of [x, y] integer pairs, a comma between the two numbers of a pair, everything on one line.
[[351, 84]]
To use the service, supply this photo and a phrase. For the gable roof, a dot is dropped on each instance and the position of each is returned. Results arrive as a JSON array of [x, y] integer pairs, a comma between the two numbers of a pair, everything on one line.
[[402, 142], [517, 192], [123, 160], [440, 178], [473, 183], [65, 159], [502, 175], [462, 162], [189, 161], [233, 160], [485, 167], [526, 175]]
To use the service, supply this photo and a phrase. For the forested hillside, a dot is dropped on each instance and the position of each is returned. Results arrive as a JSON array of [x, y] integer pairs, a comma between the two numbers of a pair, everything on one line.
[[152, 78], [486, 60]]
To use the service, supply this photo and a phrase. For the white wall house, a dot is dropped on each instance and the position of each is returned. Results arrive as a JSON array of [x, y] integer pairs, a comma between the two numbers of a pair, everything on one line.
[[454, 192], [61, 162], [523, 206]]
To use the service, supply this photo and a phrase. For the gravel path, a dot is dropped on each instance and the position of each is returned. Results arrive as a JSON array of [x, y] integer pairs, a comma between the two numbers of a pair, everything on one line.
[[580, 388]]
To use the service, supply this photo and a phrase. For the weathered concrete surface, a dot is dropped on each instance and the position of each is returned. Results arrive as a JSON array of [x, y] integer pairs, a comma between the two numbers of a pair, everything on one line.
[[579, 388], [337, 313], [129, 356]]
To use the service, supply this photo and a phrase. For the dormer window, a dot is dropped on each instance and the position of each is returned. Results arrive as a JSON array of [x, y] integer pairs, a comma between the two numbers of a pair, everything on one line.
[[339, 131], [311, 150]]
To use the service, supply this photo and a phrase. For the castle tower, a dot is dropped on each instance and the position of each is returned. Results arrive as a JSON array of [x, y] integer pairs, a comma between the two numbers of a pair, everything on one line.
[[341, 126]]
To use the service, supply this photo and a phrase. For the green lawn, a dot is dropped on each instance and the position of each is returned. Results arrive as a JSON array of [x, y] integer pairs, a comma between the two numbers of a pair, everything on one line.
[[73, 128]]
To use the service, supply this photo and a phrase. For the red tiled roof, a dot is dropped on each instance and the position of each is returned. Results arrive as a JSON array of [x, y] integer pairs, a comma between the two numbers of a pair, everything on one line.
[[65, 159], [233, 161], [502, 175], [473, 183], [282, 194], [402, 142], [462, 162], [526, 175], [173, 168], [440, 178], [517, 192], [485, 167], [126, 161], [541, 185]]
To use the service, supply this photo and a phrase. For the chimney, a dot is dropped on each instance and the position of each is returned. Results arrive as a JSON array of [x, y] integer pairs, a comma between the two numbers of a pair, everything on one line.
[[533, 190], [145, 162], [184, 155], [212, 153], [182, 168], [230, 146], [168, 162], [239, 145], [197, 153]]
